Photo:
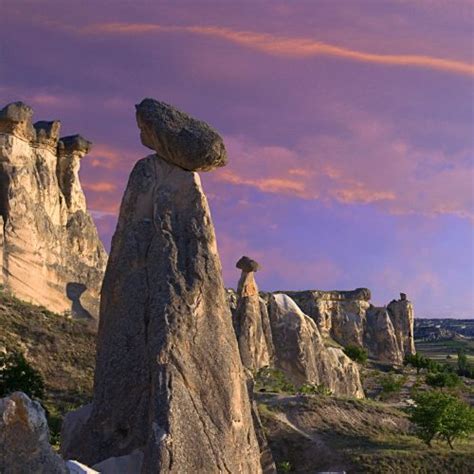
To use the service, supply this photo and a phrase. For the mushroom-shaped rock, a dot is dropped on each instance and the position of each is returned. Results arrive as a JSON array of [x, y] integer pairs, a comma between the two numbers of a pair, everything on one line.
[[178, 138], [74, 144], [47, 133], [247, 265], [16, 119]]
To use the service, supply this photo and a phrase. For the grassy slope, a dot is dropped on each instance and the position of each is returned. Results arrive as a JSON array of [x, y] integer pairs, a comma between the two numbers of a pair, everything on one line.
[[314, 434], [63, 351]]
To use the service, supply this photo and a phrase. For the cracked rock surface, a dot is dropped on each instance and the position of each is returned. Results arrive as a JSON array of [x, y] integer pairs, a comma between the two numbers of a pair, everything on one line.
[[169, 381]]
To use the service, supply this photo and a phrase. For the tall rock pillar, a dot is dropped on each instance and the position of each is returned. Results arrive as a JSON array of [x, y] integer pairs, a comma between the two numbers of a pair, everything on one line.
[[169, 383], [252, 323]]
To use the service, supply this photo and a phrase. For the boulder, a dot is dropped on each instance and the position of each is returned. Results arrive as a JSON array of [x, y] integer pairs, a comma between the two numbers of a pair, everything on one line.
[[51, 254], [301, 354], [178, 138], [169, 381], [251, 321], [24, 438], [248, 265]]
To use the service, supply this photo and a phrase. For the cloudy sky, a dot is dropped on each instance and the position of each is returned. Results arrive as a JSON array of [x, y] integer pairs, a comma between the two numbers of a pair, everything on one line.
[[349, 126]]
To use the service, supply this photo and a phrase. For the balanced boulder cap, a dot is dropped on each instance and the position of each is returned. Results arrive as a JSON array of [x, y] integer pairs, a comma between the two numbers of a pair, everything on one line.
[[248, 265], [178, 138]]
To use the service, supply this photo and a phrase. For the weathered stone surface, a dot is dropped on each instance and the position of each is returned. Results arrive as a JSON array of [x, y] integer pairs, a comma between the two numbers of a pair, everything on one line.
[[301, 354], [402, 315], [16, 119], [252, 324], [178, 138], [344, 317], [1, 249], [75, 467], [166, 350], [51, 252], [380, 338], [248, 265], [24, 438], [129, 464]]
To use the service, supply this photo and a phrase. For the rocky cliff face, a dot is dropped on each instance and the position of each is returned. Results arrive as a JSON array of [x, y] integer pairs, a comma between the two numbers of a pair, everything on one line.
[[166, 350], [302, 355], [349, 318], [49, 248]]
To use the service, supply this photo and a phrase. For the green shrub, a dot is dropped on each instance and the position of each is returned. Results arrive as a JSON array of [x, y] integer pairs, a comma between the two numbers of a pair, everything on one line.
[[313, 389], [391, 384], [356, 353], [285, 466], [443, 380], [439, 415], [269, 379], [16, 374]]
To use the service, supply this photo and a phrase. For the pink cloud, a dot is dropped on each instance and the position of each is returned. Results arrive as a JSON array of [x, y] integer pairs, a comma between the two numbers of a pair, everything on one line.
[[367, 164], [292, 47]]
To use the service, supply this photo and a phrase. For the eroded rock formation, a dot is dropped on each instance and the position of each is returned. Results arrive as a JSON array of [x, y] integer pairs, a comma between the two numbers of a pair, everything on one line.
[[251, 321], [169, 382], [24, 438], [349, 318], [51, 254], [300, 351]]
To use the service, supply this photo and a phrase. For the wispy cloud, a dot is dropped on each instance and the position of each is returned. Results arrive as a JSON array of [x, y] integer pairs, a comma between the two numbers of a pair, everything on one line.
[[292, 47]]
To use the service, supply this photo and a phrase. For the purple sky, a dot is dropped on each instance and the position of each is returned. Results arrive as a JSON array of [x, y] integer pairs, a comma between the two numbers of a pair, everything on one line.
[[349, 126]]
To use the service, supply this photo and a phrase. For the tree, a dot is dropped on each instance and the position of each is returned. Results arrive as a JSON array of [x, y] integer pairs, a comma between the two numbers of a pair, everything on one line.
[[443, 380], [356, 353], [417, 361], [439, 415], [16, 374]]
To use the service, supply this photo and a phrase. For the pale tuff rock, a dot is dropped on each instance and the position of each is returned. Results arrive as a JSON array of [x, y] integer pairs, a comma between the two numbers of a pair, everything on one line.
[[169, 381], [51, 253], [251, 321], [402, 315], [24, 438], [380, 338], [300, 352], [178, 138], [349, 318], [15, 119]]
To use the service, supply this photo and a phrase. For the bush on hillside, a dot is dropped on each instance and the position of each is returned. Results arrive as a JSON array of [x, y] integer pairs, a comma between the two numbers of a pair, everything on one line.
[[443, 380], [356, 353], [269, 379], [16, 374]]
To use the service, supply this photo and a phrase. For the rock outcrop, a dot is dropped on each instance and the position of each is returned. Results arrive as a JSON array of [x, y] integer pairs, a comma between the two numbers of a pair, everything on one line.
[[251, 322], [24, 438], [380, 338], [402, 315], [169, 382], [50, 252], [350, 319], [301, 354]]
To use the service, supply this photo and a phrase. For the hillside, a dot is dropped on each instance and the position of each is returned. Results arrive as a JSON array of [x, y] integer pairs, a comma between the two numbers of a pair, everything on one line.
[[62, 349], [306, 433]]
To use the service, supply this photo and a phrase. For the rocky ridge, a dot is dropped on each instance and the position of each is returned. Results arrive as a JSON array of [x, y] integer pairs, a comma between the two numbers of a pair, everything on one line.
[[349, 318], [50, 252], [274, 332]]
